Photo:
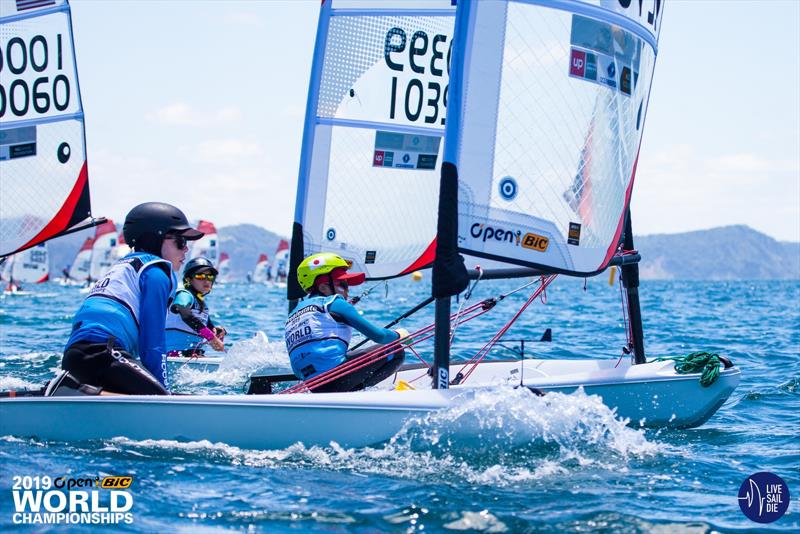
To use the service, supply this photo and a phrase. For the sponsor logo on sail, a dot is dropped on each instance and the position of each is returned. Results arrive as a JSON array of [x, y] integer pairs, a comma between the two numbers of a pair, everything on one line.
[[531, 241]]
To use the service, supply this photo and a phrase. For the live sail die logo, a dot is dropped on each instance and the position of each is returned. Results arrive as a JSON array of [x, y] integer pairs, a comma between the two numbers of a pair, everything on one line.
[[764, 497], [43, 500]]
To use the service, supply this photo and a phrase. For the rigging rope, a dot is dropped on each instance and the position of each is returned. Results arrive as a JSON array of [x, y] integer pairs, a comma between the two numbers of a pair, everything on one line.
[[481, 354], [705, 363]]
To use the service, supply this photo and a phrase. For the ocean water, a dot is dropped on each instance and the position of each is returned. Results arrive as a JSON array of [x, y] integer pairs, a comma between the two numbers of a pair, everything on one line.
[[552, 464]]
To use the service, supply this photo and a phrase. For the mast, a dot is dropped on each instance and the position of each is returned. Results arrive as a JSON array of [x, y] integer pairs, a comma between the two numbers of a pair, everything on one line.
[[449, 274], [630, 279]]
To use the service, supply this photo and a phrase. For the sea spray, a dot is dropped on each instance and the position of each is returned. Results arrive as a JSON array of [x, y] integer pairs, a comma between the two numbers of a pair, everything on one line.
[[500, 436]]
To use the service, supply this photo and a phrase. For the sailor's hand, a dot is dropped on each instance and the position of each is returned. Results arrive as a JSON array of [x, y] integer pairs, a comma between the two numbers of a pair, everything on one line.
[[403, 333], [216, 344], [220, 332]]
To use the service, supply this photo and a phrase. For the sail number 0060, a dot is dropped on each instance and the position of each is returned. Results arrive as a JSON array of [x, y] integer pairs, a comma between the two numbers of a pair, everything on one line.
[[425, 55], [17, 57]]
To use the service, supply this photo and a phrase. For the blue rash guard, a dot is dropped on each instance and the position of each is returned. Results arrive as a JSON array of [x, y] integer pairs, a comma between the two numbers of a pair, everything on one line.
[[318, 334], [100, 318]]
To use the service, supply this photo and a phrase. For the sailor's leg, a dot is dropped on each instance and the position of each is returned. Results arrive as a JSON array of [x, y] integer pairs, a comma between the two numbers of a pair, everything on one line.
[[365, 377], [111, 369]]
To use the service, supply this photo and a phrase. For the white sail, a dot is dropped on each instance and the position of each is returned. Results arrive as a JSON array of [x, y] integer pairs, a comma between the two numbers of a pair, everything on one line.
[[122, 249], [208, 245], [44, 190], [31, 265], [105, 241], [262, 272], [280, 267], [372, 145], [224, 267], [550, 103], [81, 265]]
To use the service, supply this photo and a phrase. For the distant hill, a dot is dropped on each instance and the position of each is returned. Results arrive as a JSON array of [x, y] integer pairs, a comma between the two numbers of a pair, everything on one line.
[[244, 243], [726, 253]]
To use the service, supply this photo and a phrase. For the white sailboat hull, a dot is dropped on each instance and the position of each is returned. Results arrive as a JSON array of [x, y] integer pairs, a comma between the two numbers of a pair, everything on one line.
[[650, 395]]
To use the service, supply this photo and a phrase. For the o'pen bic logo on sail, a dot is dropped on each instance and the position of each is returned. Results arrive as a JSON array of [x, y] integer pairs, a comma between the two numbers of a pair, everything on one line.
[[42, 500], [764, 497]]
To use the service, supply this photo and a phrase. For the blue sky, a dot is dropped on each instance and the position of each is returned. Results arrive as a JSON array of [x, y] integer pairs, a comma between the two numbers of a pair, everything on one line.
[[201, 104]]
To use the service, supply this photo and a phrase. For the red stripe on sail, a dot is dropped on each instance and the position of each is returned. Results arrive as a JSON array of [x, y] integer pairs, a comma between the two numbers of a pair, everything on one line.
[[61, 221], [45, 278], [615, 243], [207, 227], [424, 260], [107, 227]]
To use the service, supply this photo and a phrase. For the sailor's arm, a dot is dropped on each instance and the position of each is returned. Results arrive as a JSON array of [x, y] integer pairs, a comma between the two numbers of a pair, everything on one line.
[[155, 287], [348, 313]]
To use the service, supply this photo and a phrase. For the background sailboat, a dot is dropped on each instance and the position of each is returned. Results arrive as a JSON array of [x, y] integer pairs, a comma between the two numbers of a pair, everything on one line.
[[103, 248], [208, 245], [280, 267], [224, 268], [262, 273], [80, 269]]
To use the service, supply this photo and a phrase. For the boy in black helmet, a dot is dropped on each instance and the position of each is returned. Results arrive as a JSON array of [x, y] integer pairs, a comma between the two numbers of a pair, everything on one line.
[[188, 322], [123, 316]]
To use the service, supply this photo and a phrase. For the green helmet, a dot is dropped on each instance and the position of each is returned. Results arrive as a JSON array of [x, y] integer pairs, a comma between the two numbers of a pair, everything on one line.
[[318, 264]]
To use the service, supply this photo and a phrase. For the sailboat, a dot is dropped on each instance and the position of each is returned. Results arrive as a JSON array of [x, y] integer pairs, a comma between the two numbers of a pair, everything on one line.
[[262, 273], [81, 266], [122, 249], [224, 268], [280, 267], [208, 245], [31, 266], [375, 123], [103, 248]]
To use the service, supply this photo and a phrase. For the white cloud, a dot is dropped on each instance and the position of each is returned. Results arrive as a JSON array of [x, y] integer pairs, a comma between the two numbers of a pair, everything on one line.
[[222, 149], [182, 114], [242, 19]]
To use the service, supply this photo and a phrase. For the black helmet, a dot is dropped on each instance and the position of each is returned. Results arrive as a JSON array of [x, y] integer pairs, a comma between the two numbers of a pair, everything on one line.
[[197, 264], [147, 224]]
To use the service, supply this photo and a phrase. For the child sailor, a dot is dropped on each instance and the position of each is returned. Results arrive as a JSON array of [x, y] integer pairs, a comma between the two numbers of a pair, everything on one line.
[[188, 324], [319, 329], [117, 340]]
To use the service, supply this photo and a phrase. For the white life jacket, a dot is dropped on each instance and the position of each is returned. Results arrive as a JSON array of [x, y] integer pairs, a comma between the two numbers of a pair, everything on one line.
[[311, 323], [121, 282]]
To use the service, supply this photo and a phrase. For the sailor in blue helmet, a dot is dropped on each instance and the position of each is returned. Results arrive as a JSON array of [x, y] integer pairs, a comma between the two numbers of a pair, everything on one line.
[[117, 340], [188, 322]]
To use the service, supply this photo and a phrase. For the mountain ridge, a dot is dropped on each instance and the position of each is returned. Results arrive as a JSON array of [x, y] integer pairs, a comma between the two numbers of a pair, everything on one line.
[[735, 252]]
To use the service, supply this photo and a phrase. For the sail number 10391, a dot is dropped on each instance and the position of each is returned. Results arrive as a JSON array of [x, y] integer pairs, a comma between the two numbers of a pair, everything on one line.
[[20, 61], [423, 95]]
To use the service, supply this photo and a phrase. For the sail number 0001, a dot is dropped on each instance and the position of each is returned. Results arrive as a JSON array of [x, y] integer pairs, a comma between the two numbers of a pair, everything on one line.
[[17, 57], [425, 56]]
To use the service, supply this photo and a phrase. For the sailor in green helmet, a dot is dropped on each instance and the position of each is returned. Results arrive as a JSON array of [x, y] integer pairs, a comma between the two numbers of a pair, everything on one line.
[[319, 329]]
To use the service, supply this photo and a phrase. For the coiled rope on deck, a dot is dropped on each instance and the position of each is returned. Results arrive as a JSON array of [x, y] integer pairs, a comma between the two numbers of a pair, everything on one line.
[[705, 363]]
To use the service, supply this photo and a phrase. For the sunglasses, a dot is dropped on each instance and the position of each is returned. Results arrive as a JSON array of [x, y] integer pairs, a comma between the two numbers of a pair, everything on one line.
[[180, 241], [204, 276], [342, 283]]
